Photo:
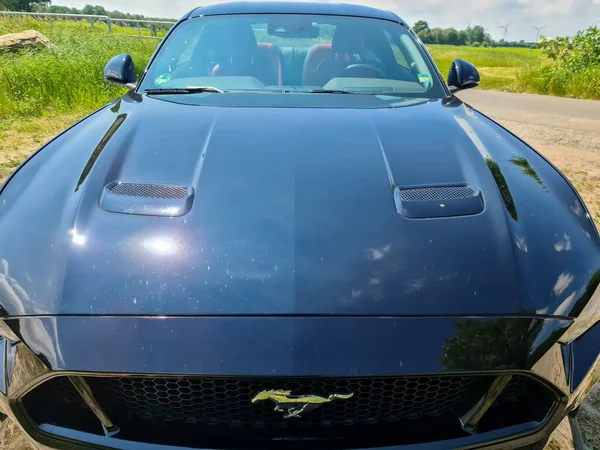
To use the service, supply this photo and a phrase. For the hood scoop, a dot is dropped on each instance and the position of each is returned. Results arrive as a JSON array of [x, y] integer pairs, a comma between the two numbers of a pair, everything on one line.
[[147, 199], [423, 202]]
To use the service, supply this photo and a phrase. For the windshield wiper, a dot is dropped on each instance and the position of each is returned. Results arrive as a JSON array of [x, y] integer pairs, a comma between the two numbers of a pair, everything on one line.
[[329, 91], [185, 90]]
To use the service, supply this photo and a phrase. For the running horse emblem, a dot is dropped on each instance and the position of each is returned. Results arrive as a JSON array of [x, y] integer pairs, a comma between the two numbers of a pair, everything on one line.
[[294, 405]]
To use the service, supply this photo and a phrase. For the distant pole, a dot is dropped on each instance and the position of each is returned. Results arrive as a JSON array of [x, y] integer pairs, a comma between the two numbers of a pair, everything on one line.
[[537, 37], [92, 22], [505, 28], [139, 31], [539, 30], [51, 24], [109, 23]]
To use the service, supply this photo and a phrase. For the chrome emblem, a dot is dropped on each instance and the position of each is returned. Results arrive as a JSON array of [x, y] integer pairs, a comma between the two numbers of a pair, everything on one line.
[[294, 405]]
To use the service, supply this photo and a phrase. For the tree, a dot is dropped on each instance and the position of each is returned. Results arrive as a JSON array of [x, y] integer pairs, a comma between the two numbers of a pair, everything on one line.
[[437, 36], [100, 11], [495, 344], [487, 40], [451, 36], [88, 9], [22, 5], [420, 26], [476, 34], [425, 36]]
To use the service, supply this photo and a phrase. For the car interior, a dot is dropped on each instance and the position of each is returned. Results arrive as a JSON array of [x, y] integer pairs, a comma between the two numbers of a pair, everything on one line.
[[298, 52]]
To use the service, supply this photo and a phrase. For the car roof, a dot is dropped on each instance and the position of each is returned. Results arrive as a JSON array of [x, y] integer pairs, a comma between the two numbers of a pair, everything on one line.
[[335, 9]]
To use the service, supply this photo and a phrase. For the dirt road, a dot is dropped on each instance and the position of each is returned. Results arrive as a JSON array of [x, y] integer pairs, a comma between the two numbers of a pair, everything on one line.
[[566, 131]]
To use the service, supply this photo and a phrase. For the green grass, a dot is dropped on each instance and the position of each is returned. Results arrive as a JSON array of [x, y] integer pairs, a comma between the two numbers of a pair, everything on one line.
[[498, 67], [553, 79], [68, 75]]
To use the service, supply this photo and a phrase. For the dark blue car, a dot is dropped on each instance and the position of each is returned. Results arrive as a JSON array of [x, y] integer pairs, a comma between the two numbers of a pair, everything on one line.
[[291, 234]]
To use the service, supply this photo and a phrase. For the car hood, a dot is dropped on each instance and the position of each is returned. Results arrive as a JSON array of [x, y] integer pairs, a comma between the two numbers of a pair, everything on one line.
[[293, 213]]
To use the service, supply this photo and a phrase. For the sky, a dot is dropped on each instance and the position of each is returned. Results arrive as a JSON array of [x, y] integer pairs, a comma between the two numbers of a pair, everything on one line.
[[560, 17]]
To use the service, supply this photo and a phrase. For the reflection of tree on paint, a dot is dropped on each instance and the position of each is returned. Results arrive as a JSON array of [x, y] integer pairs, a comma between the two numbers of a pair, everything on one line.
[[497, 344], [587, 295], [507, 198], [527, 169], [96, 153]]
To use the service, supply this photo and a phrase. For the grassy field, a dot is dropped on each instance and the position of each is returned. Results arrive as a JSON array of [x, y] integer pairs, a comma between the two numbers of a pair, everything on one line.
[[498, 67], [68, 75], [44, 91]]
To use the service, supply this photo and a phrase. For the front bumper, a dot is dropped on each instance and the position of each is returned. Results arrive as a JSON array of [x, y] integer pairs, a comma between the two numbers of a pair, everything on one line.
[[566, 437], [38, 349]]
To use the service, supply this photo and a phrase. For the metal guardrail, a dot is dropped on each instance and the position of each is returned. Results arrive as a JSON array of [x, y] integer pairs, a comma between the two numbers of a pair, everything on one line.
[[95, 18]]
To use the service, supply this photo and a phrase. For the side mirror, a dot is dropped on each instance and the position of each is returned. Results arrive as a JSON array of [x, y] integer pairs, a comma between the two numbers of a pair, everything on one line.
[[462, 75], [120, 70]]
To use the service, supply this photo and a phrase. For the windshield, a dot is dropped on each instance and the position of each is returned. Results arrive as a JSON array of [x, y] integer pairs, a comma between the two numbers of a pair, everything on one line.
[[293, 53]]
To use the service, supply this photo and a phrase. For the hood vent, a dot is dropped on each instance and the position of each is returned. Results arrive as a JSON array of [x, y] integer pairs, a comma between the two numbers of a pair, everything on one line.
[[435, 193], [149, 190], [422, 202], [147, 199]]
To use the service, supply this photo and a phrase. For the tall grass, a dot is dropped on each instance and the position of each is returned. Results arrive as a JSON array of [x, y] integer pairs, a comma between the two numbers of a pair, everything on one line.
[[553, 79], [68, 74]]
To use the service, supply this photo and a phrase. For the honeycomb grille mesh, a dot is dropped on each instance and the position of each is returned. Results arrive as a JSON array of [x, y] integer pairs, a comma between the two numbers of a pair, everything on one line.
[[516, 389], [149, 190], [217, 412], [228, 401], [435, 193]]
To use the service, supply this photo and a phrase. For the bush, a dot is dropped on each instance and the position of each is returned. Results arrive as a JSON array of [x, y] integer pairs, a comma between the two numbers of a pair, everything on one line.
[[573, 68], [476, 44], [576, 53]]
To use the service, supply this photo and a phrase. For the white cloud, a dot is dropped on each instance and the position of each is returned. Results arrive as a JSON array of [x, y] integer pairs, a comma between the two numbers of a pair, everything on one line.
[[563, 245], [561, 17], [562, 283]]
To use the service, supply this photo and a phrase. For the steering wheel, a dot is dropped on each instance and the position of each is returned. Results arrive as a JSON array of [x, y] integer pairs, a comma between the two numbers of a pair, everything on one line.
[[360, 71]]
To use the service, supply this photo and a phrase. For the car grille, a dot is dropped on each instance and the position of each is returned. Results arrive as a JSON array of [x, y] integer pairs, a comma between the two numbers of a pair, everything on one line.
[[227, 401], [217, 412]]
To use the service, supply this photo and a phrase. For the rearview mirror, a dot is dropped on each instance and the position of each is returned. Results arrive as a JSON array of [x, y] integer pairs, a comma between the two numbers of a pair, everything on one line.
[[120, 70], [462, 75], [292, 27]]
